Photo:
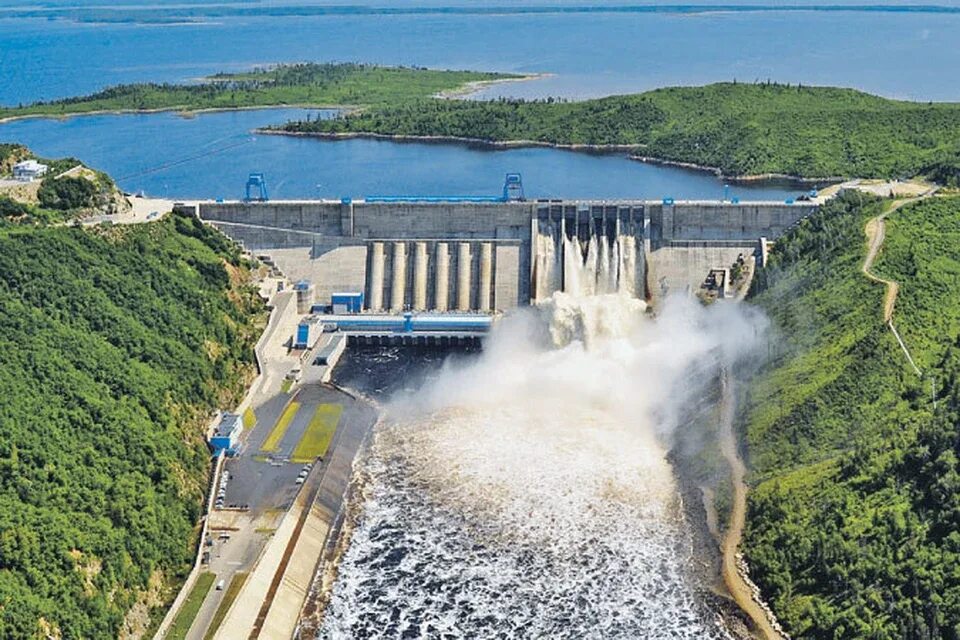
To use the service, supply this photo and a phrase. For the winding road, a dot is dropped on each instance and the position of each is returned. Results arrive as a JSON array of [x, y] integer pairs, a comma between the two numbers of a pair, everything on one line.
[[742, 591], [875, 231]]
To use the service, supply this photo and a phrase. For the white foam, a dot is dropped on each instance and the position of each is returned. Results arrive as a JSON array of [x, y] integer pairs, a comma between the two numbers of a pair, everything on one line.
[[527, 494]]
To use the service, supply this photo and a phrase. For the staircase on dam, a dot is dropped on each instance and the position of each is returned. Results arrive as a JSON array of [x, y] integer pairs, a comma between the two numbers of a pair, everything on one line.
[[493, 256]]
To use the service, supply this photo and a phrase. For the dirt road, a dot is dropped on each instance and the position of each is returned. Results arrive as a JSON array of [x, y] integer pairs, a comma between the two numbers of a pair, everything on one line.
[[875, 230], [740, 589]]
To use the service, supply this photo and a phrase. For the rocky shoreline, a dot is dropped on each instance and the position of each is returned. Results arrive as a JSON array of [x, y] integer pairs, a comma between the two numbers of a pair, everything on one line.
[[632, 151]]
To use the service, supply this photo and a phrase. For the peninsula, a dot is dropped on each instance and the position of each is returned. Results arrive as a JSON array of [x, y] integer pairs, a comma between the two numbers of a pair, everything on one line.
[[305, 85], [739, 130]]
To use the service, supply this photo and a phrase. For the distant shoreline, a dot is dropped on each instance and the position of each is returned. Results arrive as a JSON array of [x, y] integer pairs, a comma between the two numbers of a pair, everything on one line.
[[464, 91], [184, 112], [167, 16]]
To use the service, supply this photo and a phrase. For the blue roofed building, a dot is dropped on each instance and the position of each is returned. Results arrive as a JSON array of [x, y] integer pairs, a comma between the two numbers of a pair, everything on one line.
[[226, 437]]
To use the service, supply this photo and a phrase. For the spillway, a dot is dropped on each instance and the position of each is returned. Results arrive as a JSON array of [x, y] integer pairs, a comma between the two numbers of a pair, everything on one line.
[[527, 494], [442, 288]]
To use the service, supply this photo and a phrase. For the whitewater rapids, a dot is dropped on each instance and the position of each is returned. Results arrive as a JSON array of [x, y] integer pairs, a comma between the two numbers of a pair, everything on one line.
[[527, 494]]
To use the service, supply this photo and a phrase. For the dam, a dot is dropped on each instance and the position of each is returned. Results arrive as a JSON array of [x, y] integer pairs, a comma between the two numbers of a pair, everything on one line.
[[563, 370], [477, 256]]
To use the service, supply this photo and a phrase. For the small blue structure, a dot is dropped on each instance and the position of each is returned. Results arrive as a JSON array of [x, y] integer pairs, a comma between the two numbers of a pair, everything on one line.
[[226, 438], [412, 323], [257, 182], [308, 331], [789, 201], [668, 201], [301, 285], [513, 188], [350, 302]]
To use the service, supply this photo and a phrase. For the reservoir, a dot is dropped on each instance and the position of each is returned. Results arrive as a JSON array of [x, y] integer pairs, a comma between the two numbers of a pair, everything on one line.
[[211, 154], [893, 53]]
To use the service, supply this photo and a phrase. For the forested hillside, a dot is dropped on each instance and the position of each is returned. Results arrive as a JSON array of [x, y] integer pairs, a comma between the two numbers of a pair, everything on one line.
[[115, 345], [742, 129], [854, 521]]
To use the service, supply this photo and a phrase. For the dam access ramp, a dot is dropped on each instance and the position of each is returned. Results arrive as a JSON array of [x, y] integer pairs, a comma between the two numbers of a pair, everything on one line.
[[486, 256]]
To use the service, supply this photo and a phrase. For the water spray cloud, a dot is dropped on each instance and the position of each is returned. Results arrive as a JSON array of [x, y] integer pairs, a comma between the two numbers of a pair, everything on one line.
[[528, 492]]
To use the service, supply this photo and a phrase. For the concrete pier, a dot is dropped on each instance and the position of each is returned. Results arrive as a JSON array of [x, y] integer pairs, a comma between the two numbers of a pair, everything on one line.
[[377, 261], [463, 276], [398, 289], [420, 274], [486, 277], [442, 288]]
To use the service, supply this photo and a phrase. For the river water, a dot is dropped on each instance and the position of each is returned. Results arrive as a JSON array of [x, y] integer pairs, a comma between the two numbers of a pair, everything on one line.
[[525, 492]]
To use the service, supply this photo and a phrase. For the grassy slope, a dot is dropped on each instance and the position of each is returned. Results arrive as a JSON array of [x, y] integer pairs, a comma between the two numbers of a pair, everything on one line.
[[302, 84], [191, 607], [842, 535], [115, 345], [742, 129]]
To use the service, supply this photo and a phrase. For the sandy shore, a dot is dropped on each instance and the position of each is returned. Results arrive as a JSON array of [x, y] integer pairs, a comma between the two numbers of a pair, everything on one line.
[[471, 88]]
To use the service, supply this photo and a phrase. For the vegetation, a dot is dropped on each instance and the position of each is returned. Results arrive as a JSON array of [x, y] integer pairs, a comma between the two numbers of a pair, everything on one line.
[[115, 346], [272, 443], [299, 84], [67, 193], [742, 129], [854, 522], [191, 607], [70, 190], [316, 439]]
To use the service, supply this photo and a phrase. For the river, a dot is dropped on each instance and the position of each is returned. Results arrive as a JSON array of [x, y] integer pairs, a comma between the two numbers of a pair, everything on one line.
[[525, 491]]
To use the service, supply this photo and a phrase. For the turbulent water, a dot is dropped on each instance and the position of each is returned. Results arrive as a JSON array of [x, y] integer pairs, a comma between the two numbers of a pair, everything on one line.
[[597, 266], [526, 493]]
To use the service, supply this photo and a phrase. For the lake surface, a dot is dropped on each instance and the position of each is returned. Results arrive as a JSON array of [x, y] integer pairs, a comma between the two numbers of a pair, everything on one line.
[[587, 54], [210, 156], [910, 55]]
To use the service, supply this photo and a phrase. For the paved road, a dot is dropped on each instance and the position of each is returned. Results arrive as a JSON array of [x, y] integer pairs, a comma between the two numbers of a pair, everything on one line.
[[268, 490]]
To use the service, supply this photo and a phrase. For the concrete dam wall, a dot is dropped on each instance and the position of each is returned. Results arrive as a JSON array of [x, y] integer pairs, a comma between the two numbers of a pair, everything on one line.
[[485, 256]]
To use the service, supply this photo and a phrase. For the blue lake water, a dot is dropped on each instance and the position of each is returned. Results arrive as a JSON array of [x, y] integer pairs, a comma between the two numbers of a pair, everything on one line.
[[210, 155], [911, 55]]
